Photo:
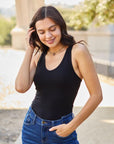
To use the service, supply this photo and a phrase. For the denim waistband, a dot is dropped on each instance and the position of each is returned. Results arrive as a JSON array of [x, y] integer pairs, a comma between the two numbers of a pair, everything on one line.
[[42, 121]]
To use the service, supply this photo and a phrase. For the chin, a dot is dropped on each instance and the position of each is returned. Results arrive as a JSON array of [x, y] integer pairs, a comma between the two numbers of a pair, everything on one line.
[[51, 45]]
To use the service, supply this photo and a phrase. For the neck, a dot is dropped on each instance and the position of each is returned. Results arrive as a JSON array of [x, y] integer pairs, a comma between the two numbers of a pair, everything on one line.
[[53, 51]]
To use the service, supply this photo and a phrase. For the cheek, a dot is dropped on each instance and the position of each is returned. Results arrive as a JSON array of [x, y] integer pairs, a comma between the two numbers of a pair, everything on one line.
[[41, 37], [58, 34]]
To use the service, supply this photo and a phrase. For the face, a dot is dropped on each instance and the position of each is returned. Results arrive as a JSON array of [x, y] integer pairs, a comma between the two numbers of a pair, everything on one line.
[[49, 32]]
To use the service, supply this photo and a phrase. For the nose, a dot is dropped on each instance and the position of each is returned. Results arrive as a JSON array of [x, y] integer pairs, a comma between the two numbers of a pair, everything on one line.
[[48, 35]]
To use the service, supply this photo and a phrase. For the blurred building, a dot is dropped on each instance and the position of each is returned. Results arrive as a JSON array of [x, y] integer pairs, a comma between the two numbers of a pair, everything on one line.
[[24, 11], [101, 46]]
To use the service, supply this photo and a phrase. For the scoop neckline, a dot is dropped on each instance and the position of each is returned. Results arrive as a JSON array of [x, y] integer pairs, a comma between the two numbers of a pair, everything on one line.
[[58, 65]]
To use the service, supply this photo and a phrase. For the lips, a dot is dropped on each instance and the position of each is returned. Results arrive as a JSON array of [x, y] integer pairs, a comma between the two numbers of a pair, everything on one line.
[[50, 41]]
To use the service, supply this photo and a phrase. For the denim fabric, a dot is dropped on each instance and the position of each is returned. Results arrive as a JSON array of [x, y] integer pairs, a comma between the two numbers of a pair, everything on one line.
[[36, 130]]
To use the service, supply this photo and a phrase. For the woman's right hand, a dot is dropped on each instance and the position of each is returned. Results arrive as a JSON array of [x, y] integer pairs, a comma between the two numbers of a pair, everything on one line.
[[27, 38]]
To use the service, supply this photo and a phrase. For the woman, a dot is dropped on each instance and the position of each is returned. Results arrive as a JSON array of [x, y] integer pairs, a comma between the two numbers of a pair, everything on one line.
[[57, 69]]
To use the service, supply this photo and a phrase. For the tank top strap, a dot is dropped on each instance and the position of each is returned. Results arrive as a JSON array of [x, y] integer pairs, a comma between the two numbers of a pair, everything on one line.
[[41, 59], [69, 53], [69, 49]]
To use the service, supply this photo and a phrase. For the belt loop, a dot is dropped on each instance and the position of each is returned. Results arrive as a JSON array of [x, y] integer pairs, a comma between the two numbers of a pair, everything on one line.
[[52, 123], [62, 119], [34, 119]]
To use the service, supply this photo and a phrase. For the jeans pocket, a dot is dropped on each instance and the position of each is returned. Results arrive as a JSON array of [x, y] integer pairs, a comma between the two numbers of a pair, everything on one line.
[[61, 136], [29, 120]]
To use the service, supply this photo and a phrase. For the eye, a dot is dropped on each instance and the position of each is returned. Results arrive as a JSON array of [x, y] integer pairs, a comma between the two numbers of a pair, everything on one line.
[[53, 29], [41, 32]]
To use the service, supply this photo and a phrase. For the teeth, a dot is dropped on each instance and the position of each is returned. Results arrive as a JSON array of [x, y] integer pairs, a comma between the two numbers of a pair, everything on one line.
[[50, 41]]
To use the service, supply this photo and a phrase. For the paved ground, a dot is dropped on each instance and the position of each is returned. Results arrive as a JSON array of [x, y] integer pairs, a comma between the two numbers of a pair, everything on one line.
[[10, 124], [97, 129]]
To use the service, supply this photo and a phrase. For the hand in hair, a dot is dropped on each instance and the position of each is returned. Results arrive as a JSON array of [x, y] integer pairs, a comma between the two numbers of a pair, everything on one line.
[[27, 38]]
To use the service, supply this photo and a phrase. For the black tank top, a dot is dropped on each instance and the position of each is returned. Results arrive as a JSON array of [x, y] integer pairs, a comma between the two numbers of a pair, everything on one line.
[[56, 89]]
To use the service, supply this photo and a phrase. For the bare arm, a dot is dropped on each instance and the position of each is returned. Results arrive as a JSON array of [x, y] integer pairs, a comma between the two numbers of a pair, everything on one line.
[[89, 74], [26, 73], [87, 70]]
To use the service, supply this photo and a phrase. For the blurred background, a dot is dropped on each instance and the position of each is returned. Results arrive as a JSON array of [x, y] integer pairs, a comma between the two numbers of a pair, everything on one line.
[[89, 20]]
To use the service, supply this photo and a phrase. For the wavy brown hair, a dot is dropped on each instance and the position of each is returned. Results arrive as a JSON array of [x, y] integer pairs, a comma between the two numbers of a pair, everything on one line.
[[52, 13]]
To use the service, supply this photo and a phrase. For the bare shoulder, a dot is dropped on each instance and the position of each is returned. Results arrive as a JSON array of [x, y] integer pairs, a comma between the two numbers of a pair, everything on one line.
[[80, 49], [36, 56], [82, 59], [81, 52]]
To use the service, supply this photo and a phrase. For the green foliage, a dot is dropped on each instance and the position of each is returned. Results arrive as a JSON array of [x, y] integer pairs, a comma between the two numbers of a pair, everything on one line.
[[80, 17], [6, 26], [67, 15], [77, 18], [105, 12], [99, 11]]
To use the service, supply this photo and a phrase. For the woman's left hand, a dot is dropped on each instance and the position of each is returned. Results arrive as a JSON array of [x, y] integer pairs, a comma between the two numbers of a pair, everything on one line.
[[62, 130]]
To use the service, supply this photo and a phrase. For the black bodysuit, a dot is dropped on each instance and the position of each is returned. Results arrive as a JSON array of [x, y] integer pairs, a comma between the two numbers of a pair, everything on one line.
[[56, 89]]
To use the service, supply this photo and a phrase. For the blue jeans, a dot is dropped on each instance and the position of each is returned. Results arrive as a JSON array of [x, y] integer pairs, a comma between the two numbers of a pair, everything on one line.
[[36, 130]]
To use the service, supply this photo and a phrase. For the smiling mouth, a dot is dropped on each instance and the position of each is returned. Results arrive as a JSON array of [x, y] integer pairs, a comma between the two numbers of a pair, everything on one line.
[[50, 41]]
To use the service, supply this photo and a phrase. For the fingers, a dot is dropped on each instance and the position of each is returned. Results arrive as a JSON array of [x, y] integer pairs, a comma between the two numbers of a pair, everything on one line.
[[28, 35], [30, 31], [57, 127], [53, 128], [29, 28]]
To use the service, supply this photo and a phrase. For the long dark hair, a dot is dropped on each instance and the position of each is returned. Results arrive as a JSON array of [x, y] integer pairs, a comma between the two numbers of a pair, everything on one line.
[[52, 13]]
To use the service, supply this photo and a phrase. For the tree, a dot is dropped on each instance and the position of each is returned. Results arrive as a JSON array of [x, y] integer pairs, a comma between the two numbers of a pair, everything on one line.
[[100, 11], [6, 26], [105, 12]]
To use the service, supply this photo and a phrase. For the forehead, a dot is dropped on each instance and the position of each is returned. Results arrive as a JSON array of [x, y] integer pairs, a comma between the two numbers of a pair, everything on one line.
[[45, 23]]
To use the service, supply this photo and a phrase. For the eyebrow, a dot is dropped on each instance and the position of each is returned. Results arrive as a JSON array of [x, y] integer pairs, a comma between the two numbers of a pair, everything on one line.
[[48, 28]]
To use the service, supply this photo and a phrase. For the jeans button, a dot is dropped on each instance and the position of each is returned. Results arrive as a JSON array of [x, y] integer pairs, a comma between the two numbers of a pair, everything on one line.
[[43, 122]]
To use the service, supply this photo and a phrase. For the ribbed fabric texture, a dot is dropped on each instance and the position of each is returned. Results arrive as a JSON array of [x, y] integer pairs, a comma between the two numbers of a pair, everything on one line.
[[56, 89]]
